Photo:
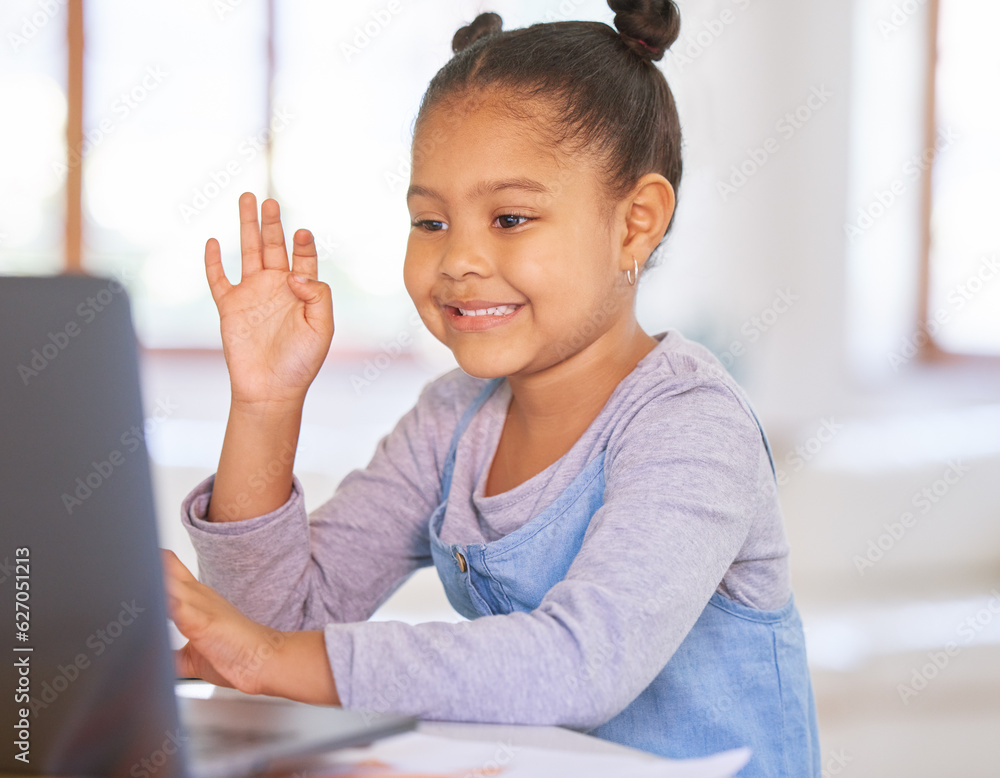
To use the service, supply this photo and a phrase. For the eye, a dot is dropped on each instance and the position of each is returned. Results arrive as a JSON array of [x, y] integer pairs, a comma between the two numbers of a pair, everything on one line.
[[509, 220], [429, 224]]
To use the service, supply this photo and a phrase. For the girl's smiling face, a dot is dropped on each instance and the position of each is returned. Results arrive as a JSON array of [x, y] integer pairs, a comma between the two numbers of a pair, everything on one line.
[[514, 259]]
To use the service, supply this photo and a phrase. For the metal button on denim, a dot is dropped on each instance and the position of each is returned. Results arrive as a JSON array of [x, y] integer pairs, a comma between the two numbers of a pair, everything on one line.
[[461, 561]]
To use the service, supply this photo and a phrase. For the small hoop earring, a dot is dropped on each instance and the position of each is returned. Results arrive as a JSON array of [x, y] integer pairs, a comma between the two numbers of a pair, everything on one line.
[[628, 273]]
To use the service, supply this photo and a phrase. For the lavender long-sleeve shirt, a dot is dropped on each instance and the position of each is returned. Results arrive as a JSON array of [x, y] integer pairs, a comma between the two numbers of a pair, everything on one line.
[[690, 508]]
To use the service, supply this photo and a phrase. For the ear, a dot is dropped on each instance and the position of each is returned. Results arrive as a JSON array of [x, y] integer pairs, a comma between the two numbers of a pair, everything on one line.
[[647, 212]]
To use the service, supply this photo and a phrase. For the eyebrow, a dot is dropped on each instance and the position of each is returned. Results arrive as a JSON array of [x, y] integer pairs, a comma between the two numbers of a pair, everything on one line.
[[483, 188]]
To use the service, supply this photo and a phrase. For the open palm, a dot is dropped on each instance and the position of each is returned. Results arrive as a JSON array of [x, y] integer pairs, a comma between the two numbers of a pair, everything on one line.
[[276, 323]]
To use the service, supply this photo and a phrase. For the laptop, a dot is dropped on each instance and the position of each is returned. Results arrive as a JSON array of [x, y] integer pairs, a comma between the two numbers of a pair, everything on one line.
[[88, 676]]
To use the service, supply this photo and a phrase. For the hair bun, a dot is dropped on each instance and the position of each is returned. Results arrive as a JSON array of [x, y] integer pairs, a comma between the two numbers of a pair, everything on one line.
[[483, 25], [648, 27]]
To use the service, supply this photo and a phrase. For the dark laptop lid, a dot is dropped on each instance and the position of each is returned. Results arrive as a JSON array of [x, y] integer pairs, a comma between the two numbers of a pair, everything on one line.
[[84, 622]]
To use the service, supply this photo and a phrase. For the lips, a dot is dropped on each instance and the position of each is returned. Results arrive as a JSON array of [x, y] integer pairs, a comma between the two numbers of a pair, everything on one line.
[[478, 315]]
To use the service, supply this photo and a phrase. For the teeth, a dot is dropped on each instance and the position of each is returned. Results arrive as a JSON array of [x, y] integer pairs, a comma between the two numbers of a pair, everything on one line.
[[500, 310]]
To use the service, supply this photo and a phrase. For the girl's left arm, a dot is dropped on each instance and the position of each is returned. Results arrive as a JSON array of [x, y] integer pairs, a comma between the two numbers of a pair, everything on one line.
[[683, 486]]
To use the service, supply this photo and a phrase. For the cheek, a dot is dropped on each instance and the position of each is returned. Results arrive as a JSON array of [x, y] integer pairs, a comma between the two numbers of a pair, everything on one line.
[[530, 275], [580, 299], [558, 275], [415, 274]]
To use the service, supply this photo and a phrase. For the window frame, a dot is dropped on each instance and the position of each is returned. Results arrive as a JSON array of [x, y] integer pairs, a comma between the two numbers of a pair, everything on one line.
[[932, 352]]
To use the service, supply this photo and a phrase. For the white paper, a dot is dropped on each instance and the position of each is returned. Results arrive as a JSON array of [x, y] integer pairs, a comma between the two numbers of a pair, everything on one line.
[[431, 756]]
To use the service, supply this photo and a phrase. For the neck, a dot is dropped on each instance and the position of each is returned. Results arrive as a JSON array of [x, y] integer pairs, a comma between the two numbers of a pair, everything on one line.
[[559, 398]]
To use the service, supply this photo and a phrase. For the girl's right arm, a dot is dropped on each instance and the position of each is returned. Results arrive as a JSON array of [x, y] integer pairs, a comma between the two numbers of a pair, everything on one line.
[[255, 543], [277, 325]]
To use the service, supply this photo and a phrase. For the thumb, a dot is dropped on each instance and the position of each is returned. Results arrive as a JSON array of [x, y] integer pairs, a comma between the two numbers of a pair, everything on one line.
[[316, 296]]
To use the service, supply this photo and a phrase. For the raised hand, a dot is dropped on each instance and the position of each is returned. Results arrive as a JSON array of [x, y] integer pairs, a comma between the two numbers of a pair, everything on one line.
[[276, 323]]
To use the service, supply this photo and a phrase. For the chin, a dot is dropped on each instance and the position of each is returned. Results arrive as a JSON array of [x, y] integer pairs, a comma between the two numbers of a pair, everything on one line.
[[480, 368], [480, 363]]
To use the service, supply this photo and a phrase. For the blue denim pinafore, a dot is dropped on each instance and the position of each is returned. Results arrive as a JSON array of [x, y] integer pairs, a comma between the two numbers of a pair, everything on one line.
[[738, 679]]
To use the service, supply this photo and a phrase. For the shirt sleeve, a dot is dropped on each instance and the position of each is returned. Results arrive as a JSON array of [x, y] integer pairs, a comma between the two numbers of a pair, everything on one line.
[[293, 571], [681, 486]]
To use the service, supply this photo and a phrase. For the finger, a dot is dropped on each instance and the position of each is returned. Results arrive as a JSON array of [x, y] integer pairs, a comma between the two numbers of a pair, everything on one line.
[[218, 284], [175, 568], [183, 666], [249, 234], [275, 254], [304, 260], [189, 664], [319, 304]]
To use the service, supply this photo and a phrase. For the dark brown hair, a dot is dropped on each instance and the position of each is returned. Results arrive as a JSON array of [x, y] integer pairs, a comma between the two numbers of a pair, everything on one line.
[[608, 96]]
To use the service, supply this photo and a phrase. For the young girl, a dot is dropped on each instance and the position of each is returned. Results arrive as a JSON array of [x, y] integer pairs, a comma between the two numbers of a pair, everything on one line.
[[599, 502]]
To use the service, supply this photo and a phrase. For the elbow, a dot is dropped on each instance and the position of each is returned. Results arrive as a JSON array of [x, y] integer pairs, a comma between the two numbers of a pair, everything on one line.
[[587, 679], [581, 700], [589, 712]]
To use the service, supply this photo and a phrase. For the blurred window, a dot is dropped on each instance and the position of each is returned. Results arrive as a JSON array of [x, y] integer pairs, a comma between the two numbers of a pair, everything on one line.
[[189, 103], [32, 136], [964, 259]]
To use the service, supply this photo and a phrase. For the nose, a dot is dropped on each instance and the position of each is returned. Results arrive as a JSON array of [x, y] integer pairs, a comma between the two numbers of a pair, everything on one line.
[[463, 255]]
